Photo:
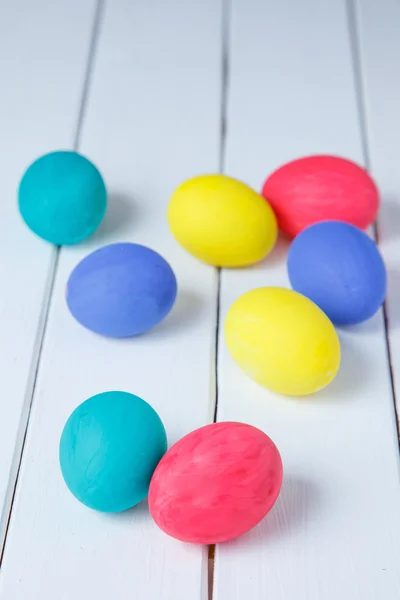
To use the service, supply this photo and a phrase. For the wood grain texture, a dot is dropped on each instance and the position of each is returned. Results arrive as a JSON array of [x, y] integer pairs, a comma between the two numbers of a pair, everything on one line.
[[379, 75], [152, 120], [43, 51], [335, 530]]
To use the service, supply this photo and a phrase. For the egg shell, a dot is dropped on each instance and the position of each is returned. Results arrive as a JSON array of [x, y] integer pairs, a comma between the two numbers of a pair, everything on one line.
[[216, 483], [318, 188], [62, 197], [121, 290], [109, 449], [283, 341], [339, 268], [222, 221]]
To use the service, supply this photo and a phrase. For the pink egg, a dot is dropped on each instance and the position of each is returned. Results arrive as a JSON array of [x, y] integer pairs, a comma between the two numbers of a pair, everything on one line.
[[319, 188], [216, 483]]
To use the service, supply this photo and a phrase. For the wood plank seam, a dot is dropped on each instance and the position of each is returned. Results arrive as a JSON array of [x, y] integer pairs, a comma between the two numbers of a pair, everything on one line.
[[353, 20], [23, 426], [225, 66], [47, 301]]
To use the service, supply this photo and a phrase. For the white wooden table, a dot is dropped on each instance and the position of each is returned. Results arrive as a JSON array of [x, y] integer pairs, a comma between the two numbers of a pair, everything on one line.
[[156, 91]]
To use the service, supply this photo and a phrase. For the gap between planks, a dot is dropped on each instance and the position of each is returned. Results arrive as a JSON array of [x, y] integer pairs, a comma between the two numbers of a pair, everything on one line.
[[47, 299], [357, 66], [225, 68]]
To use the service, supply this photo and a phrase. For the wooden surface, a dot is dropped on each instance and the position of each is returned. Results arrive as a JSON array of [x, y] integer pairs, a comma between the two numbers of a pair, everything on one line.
[[43, 55], [336, 530], [154, 92]]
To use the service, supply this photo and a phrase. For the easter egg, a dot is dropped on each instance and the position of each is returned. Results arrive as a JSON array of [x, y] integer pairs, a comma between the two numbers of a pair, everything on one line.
[[222, 221], [317, 188], [339, 268], [216, 483], [62, 197], [109, 449], [282, 340], [121, 290]]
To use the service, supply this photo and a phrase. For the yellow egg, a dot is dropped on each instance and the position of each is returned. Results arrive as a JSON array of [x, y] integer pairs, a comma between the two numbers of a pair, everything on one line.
[[222, 221], [282, 340]]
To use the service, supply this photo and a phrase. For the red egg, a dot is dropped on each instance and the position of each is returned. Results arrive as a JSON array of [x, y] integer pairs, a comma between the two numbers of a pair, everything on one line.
[[216, 483], [318, 188]]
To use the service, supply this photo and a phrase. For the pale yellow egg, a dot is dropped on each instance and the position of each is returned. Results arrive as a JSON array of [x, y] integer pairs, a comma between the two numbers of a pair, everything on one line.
[[222, 221], [282, 340]]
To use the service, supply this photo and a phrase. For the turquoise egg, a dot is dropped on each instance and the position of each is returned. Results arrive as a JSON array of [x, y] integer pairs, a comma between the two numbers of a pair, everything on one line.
[[62, 197], [109, 449]]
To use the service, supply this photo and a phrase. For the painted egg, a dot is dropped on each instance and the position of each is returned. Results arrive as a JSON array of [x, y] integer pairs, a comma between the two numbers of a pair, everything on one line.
[[109, 449], [282, 340], [339, 268], [216, 483], [318, 188], [121, 290], [222, 221], [62, 197]]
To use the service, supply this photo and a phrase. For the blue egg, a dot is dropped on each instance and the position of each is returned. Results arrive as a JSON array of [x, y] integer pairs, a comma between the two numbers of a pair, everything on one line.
[[62, 197], [121, 290], [109, 449], [340, 268]]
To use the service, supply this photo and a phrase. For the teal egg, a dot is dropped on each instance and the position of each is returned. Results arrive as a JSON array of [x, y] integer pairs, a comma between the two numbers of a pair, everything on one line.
[[62, 197], [109, 449]]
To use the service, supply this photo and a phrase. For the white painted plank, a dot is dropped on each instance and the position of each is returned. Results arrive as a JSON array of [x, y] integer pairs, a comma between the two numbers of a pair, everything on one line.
[[43, 53], [379, 45], [335, 531], [152, 121]]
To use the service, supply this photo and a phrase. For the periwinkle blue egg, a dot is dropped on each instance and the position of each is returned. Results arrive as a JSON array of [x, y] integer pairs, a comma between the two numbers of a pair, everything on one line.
[[340, 268], [121, 290], [109, 449], [62, 197]]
